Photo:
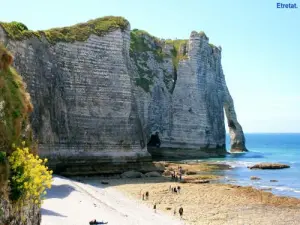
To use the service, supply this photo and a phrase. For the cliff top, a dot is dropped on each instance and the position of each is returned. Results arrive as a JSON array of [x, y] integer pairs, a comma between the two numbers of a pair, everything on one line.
[[77, 32]]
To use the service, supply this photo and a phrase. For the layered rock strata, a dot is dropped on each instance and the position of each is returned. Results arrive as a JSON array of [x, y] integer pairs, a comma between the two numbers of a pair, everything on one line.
[[99, 101]]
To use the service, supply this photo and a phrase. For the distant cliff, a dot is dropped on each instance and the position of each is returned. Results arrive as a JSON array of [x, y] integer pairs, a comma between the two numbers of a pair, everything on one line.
[[102, 93]]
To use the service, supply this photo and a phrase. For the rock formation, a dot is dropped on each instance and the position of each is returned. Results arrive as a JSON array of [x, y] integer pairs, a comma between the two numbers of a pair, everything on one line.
[[101, 93]]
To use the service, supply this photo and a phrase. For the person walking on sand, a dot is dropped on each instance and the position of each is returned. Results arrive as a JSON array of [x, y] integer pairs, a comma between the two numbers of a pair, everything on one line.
[[174, 211], [175, 190], [154, 207], [143, 197], [178, 189], [180, 212], [147, 195]]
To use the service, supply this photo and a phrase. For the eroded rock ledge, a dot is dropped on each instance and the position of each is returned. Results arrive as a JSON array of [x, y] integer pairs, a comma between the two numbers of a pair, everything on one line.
[[101, 92]]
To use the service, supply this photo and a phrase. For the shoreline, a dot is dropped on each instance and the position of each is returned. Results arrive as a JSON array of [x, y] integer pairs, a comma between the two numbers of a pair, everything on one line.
[[213, 204]]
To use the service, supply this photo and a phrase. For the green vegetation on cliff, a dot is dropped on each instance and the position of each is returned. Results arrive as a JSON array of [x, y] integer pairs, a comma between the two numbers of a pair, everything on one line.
[[142, 44], [142, 41], [15, 103], [23, 175], [178, 51], [78, 32]]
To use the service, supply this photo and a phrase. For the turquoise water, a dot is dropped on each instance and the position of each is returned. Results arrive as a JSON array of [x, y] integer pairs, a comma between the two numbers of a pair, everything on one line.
[[281, 148]]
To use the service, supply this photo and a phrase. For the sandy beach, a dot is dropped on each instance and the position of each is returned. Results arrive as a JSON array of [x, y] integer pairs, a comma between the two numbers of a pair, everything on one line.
[[119, 201], [216, 204], [75, 203]]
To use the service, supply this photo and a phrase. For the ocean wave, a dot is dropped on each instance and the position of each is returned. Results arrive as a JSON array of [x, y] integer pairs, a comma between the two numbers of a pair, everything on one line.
[[286, 189]]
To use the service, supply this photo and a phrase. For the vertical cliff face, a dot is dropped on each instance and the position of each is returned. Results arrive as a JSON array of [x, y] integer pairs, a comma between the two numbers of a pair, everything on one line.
[[102, 97], [182, 95], [82, 93]]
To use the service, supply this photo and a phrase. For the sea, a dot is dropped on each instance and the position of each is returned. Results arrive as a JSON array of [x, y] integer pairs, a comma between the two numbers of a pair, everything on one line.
[[263, 147]]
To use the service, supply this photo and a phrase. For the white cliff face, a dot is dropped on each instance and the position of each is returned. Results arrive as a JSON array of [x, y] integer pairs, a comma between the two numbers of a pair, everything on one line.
[[84, 109], [96, 101], [190, 118]]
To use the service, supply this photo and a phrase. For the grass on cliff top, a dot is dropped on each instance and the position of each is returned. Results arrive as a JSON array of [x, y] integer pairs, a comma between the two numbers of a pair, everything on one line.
[[78, 32], [177, 55], [14, 102], [139, 44]]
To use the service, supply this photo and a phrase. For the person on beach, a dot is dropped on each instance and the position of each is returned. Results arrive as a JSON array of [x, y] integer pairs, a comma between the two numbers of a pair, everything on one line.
[[147, 195], [143, 197], [95, 222], [180, 212], [178, 189], [175, 190], [174, 211], [154, 207]]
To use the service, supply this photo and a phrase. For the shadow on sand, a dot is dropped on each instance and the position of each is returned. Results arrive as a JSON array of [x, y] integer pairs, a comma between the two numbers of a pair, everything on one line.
[[59, 191], [46, 212]]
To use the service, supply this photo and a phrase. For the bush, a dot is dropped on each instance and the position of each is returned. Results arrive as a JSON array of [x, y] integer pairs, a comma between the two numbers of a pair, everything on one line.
[[29, 176]]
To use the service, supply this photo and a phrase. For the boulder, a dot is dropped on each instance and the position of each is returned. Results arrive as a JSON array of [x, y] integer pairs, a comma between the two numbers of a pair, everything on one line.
[[200, 181], [272, 166], [153, 174], [255, 178], [132, 174], [191, 172], [167, 173]]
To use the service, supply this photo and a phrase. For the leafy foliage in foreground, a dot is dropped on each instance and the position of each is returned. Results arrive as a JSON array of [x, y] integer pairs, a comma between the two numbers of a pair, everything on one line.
[[29, 176]]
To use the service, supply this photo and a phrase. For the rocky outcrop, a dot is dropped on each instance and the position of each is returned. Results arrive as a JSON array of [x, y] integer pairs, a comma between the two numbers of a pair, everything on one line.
[[28, 214], [132, 174], [182, 97], [100, 96], [269, 166]]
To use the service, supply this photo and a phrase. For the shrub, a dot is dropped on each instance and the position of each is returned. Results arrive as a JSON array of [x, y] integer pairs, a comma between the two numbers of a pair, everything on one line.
[[15, 104], [29, 176]]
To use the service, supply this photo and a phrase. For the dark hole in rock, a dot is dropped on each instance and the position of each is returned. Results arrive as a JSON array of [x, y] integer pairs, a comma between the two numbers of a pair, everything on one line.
[[231, 124], [154, 140]]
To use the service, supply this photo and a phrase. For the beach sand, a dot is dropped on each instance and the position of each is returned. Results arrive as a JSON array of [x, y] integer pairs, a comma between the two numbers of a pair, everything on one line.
[[69, 202], [214, 204], [119, 201]]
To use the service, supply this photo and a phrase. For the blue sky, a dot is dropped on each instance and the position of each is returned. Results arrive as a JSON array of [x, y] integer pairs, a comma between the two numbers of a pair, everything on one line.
[[261, 44]]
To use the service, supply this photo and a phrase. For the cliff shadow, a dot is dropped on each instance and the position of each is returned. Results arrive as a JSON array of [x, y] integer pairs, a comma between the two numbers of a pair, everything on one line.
[[47, 212], [59, 191]]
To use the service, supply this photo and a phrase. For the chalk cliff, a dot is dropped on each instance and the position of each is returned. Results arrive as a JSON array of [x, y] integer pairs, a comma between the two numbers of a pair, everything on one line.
[[102, 92]]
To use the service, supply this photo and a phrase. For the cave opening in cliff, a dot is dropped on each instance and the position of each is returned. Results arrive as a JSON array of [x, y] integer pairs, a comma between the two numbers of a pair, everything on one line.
[[154, 141]]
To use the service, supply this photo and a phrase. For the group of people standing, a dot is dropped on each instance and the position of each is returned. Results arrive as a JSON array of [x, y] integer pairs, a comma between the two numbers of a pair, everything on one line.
[[145, 196], [176, 190], [178, 176]]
